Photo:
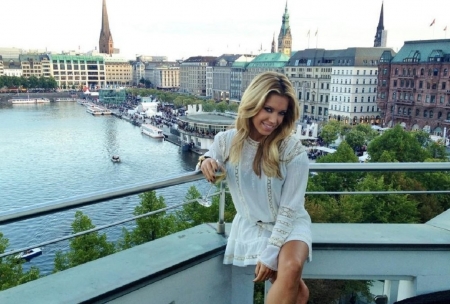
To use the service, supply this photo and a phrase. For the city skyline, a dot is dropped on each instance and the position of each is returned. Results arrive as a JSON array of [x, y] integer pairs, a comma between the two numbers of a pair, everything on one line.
[[179, 30]]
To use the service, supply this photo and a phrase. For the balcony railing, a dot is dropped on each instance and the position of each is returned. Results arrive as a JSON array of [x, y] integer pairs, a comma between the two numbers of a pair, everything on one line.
[[411, 258]]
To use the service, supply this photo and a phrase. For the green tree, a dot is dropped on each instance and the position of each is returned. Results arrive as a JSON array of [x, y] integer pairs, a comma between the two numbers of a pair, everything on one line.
[[83, 248], [150, 227], [11, 271], [222, 106], [356, 139], [329, 133], [400, 143]]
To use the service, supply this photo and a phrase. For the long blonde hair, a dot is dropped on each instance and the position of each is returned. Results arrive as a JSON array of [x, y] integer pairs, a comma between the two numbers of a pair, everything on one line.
[[253, 100]]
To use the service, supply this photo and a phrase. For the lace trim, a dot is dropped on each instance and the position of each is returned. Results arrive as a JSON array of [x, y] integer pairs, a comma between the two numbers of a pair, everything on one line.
[[270, 197], [222, 147], [276, 241], [287, 212], [241, 197], [252, 142], [241, 257]]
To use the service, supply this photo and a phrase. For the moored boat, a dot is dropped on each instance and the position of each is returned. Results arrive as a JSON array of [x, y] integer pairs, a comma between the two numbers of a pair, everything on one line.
[[152, 131], [95, 110], [115, 159], [29, 100]]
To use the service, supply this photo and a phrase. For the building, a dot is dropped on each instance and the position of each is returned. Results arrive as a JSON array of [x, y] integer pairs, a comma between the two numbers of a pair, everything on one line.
[[414, 86], [221, 77], [2, 71], [193, 74], [262, 63], [354, 79], [381, 34], [79, 71], [106, 44], [112, 96], [310, 73], [118, 71], [285, 37], [163, 75], [35, 65], [237, 74]]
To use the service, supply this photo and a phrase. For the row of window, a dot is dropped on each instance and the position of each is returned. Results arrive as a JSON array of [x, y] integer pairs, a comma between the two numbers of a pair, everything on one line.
[[347, 108], [349, 72], [412, 72], [426, 113], [429, 98], [347, 90], [349, 81], [342, 98]]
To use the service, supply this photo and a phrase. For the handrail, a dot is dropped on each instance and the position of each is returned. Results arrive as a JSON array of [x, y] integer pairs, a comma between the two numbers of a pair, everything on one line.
[[105, 195]]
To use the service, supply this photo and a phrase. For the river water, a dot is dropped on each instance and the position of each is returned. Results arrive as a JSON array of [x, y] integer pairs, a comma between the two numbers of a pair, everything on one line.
[[57, 150]]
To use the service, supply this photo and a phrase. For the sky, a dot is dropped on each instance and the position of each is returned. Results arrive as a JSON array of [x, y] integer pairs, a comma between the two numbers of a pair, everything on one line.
[[180, 29]]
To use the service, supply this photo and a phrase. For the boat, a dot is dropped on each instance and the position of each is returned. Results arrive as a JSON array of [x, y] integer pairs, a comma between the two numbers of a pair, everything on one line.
[[29, 254], [29, 100], [95, 110], [152, 131], [66, 99], [115, 159]]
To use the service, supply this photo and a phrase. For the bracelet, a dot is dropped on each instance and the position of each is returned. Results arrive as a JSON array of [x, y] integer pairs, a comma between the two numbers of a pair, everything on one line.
[[201, 159]]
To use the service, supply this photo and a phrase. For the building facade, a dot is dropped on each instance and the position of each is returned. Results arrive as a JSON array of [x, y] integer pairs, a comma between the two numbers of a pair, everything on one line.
[[238, 69], [193, 74], [354, 80], [118, 71], [77, 72], [310, 73], [221, 76], [414, 87], [35, 65], [163, 75]]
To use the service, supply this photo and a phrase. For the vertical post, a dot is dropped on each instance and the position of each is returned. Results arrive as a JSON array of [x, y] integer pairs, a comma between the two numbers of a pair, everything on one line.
[[221, 223]]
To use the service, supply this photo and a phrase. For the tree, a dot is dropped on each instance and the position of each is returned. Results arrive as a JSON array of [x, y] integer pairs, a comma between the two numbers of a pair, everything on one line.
[[11, 271], [400, 143], [329, 133], [222, 106], [356, 139], [150, 227], [83, 248]]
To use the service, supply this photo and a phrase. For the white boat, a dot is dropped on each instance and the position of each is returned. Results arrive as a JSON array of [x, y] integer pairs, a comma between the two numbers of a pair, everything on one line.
[[29, 100], [152, 131], [27, 255], [115, 159], [95, 110], [66, 99]]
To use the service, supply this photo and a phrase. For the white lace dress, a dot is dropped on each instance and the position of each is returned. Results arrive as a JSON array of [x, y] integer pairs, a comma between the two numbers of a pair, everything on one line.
[[270, 211]]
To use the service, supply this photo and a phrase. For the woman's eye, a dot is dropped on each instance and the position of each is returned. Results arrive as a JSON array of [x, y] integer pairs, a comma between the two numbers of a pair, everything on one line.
[[268, 109], [282, 113]]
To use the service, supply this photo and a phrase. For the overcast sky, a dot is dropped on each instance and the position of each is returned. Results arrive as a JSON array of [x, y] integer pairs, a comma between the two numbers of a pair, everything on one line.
[[183, 28]]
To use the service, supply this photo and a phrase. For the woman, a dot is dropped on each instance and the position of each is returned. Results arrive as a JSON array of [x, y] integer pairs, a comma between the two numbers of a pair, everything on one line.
[[267, 172]]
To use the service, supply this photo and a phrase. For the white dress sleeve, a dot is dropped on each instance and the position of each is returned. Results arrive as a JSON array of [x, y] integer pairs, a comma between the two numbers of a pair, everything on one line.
[[291, 207], [217, 149]]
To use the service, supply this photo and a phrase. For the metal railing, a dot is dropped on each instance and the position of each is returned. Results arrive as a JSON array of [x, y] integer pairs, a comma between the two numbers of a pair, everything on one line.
[[105, 195]]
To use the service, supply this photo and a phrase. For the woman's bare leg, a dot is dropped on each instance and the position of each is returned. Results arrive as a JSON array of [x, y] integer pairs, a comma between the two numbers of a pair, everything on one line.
[[288, 287]]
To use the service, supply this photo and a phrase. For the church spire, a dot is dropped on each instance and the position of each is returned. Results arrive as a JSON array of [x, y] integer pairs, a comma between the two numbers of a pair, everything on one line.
[[381, 34], [273, 44], [106, 45], [285, 37]]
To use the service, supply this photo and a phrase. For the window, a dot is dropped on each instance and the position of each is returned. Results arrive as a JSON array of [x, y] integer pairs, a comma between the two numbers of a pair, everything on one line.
[[354, 109], [431, 113], [425, 113], [417, 112], [356, 90], [384, 72], [435, 72], [422, 71], [362, 91], [394, 95], [445, 72], [396, 71], [439, 115], [395, 83], [409, 111], [356, 99], [419, 97], [402, 83], [443, 85], [427, 99]]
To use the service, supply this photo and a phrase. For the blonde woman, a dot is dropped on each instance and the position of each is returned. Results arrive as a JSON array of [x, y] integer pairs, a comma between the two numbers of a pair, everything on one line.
[[267, 172]]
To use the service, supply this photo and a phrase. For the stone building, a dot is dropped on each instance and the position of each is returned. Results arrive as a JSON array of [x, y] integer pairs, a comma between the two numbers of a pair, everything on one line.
[[193, 74], [414, 86]]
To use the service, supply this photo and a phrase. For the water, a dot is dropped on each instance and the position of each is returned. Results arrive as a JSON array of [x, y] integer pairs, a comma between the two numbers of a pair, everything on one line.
[[57, 150]]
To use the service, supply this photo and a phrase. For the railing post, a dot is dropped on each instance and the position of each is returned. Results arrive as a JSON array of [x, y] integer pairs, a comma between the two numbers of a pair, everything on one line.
[[221, 223]]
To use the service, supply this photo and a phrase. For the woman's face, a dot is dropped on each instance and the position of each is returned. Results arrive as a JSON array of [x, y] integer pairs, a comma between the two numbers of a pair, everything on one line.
[[269, 117]]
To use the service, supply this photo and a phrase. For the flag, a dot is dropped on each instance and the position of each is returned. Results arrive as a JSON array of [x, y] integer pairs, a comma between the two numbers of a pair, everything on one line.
[[432, 23], [308, 33], [445, 28], [316, 32]]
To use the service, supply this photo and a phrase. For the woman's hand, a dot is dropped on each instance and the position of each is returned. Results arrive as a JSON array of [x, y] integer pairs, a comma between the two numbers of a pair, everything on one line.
[[263, 273], [209, 168]]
